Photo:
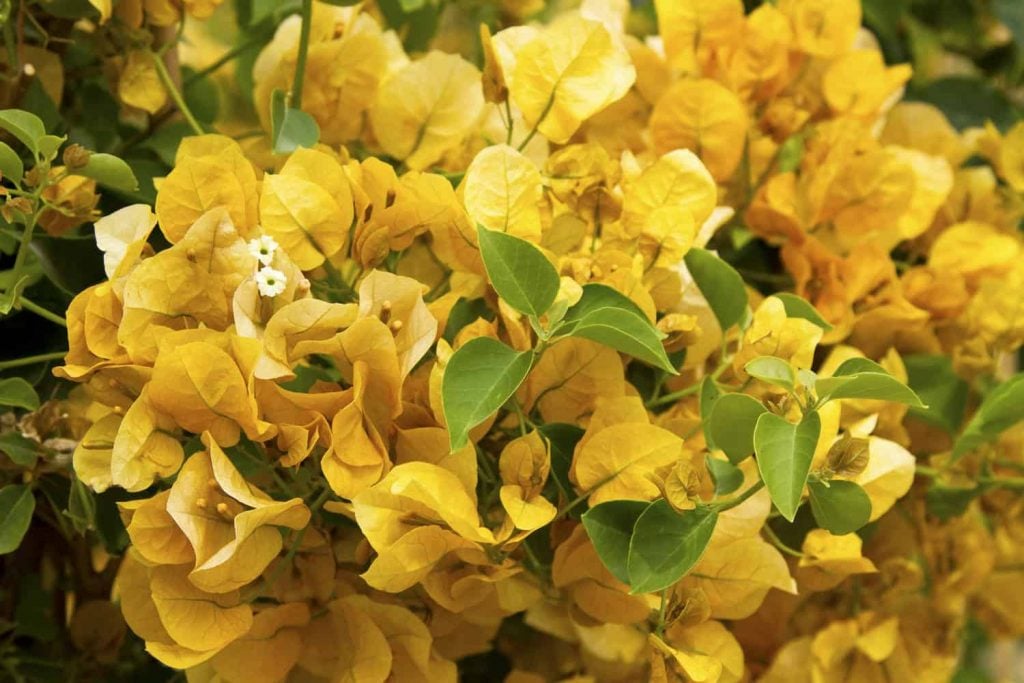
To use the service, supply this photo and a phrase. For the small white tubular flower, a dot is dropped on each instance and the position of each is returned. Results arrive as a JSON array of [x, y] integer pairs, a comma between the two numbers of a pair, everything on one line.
[[262, 248], [270, 281]]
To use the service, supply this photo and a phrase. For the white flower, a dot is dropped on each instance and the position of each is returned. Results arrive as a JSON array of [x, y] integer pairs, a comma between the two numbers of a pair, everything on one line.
[[271, 282], [262, 248]]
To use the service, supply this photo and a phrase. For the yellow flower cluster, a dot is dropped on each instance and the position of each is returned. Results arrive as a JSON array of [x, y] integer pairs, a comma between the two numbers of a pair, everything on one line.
[[315, 502]]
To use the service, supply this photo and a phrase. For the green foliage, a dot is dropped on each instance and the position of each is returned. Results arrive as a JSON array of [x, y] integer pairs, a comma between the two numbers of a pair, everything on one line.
[[720, 284], [732, 422], [773, 371], [14, 391], [16, 507], [840, 506], [479, 378], [610, 318], [666, 544], [519, 272], [290, 128], [784, 453], [649, 546], [1002, 408]]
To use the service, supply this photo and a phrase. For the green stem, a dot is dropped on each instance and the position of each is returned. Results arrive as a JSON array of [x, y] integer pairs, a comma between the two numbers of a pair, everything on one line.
[[659, 630], [777, 542], [175, 92], [228, 56], [1003, 482], [42, 312], [739, 500], [300, 63], [32, 360]]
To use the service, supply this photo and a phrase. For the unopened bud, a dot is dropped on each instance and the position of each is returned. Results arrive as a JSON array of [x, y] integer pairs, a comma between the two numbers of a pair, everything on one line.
[[76, 156]]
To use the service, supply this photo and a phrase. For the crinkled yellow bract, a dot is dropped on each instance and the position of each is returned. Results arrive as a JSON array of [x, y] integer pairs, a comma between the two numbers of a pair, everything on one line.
[[404, 396]]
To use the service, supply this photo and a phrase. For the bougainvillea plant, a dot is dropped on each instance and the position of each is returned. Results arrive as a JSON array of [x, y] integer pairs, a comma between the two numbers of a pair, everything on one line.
[[591, 352]]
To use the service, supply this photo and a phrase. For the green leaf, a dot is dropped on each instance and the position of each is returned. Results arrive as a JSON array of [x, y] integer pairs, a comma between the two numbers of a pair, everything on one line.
[[10, 163], [1001, 409], [720, 284], [479, 378], [708, 395], [20, 450], [26, 127], [784, 453], [872, 385], [934, 380], [772, 370], [666, 544], [610, 527], [727, 476], [604, 315], [16, 392], [1011, 13], [109, 171], [946, 502], [839, 506], [16, 507], [732, 422], [791, 153], [12, 294], [968, 101], [519, 271], [801, 308], [49, 144], [81, 507], [290, 128]]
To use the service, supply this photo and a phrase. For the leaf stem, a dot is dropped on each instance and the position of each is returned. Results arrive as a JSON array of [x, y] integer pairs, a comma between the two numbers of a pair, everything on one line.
[[228, 56], [32, 360], [778, 543], [300, 63], [42, 312], [175, 93], [739, 500]]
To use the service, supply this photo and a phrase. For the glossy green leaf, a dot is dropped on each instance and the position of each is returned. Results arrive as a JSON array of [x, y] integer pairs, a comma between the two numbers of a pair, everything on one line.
[[479, 378], [519, 271], [16, 507], [797, 307], [839, 506], [16, 392], [773, 371], [109, 171], [732, 422], [10, 163], [610, 527], [27, 128], [727, 477], [604, 315], [666, 544], [49, 144], [709, 393], [1002, 408], [934, 380], [290, 128], [784, 453], [871, 385], [720, 284], [20, 450]]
